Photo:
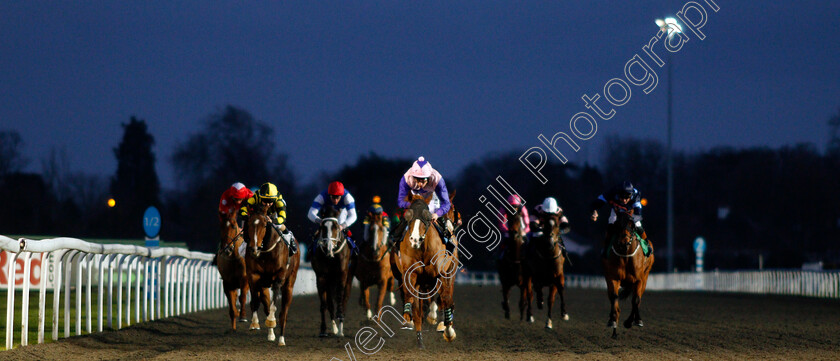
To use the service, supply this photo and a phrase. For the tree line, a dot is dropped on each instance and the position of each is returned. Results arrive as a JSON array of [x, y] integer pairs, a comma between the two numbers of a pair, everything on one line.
[[777, 205]]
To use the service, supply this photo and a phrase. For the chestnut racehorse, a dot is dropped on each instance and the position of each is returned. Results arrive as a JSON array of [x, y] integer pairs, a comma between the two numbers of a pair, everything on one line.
[[544, 265], [271, 267], [331, 263], [424, 267], [626, 269], [510, 266], [373, 266], [231, 267]]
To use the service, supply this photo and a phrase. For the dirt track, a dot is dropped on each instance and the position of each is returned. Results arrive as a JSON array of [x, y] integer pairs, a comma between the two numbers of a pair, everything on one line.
[[677, 326]]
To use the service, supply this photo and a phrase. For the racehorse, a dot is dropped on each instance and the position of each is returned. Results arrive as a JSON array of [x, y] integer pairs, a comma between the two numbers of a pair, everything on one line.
[[331, 263], [626, 269], [510, 266], [453, 222], [271, 267], [544, 265], [424, 267], [373, 266], [231, 267]]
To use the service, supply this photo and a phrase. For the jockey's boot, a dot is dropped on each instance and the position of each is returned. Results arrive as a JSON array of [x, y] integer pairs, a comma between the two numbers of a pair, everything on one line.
[[446, 235], [397, 236], [352, 243], [288, 237], [310, 251]]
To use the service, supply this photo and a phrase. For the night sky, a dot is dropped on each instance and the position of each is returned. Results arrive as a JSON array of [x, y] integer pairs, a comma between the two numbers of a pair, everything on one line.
[[448, 80]]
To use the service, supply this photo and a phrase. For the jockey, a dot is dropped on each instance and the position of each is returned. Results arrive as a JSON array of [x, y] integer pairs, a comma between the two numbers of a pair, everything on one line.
[[268, 195], [516, 202], [341, 199], [422, 179], [375, 209], [231, 201], [621, 198]]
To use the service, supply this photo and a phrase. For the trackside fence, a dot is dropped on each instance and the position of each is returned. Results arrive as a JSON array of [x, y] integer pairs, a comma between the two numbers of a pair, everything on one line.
[[120, 284], [822, 284]]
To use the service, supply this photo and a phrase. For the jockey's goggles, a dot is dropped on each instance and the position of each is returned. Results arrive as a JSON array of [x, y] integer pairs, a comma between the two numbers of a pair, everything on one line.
[[419, 179]]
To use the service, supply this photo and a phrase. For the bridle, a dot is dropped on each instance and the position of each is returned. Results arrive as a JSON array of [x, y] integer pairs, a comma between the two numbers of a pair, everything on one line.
[[627, 242], [327, 243], [256, 249]]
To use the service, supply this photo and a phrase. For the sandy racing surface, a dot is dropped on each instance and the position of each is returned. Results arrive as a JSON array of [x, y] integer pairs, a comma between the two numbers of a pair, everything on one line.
[[677, 326]]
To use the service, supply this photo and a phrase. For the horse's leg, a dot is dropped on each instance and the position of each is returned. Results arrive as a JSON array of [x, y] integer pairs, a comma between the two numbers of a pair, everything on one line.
[[383, 285], [255, 304], [447, 302], [232, 311], [637, 301], [286, 293], [561, 288], [505, 295], [243, 296], [417, 317], [612, 293], [270, 309], [322, 297], [364, 298], [392, 284], [538, 290], [552, 293], [344, 295], [431, 317]]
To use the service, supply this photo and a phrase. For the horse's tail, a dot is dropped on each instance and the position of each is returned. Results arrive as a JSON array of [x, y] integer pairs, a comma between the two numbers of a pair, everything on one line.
[[623, 293]]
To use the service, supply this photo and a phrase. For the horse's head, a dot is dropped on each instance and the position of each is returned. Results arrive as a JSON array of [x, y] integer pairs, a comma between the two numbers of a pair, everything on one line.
[[258, 224], [419, 218], [329, 230], [516, 227], [625, 227], [230, 234]]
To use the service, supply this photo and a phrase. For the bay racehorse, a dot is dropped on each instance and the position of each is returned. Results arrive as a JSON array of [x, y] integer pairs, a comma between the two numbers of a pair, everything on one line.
[[424, 268], [373, 266], [544, 265], [331, 263], [626, 269], [270, 270], [231, 265], [510, 265]]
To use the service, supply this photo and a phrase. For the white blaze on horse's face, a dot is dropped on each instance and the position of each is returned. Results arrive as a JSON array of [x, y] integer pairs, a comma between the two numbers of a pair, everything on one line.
[[256, 241], [415, 235], [330, 239]]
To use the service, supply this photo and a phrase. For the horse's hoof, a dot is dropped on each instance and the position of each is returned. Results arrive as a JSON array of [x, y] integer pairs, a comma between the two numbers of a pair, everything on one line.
[[449, 334], [441, 327], [639, 323], [369, 314], [531, 319], [614, 334], [565, 317], [243, 319], [548, 324], [628, 324], [420, 340], [431, 320], [323, 334], [393, 299], [282, 341], [612, 324], [254, 327], [507, 315], [334, 328], [271, 335]]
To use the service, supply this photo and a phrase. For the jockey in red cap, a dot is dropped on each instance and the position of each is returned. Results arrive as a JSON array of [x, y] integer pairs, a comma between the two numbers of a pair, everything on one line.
[[342, 200]]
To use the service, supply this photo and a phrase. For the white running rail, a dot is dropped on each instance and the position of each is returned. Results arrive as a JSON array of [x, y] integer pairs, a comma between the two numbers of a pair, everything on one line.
[[822, 284], [148, 283]]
